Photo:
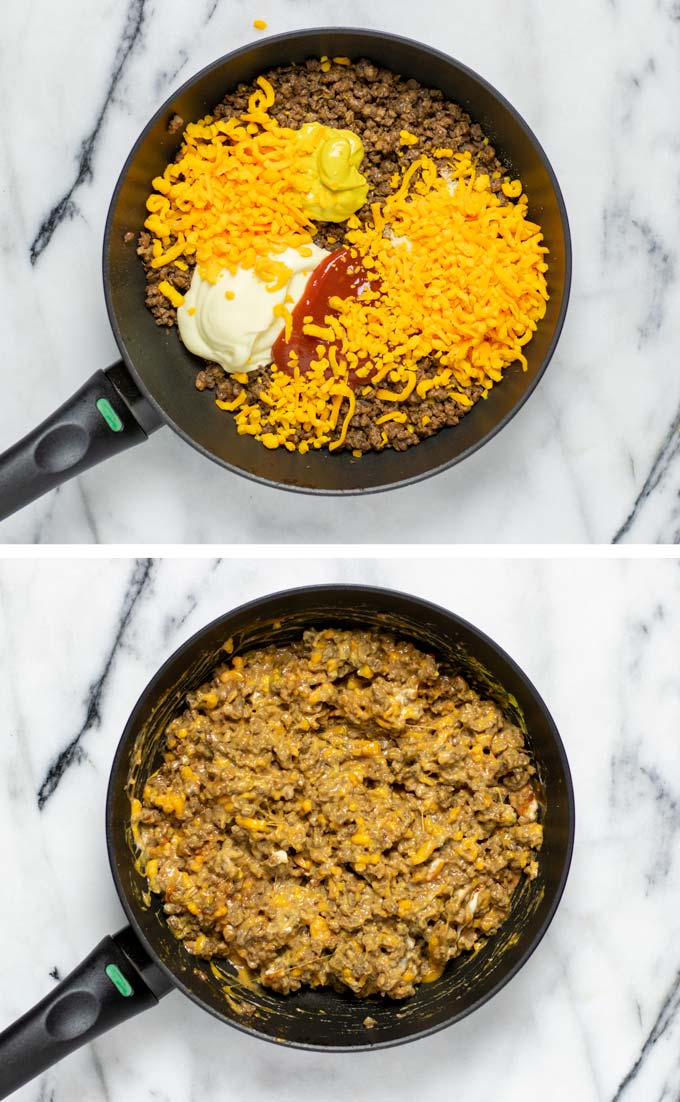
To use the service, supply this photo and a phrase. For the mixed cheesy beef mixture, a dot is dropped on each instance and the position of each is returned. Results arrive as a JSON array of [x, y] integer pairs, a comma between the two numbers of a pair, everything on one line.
[[338, 811]]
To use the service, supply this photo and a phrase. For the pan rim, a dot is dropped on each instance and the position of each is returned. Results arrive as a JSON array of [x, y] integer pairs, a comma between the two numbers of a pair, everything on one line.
[[410, 480], [346, 590]]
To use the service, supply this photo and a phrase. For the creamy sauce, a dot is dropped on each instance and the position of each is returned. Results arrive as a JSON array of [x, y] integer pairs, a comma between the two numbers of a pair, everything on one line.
[[232, 322]]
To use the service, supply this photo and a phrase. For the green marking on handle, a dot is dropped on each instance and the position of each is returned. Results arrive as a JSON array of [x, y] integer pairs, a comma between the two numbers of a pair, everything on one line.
[[109, 414], [114, 973]]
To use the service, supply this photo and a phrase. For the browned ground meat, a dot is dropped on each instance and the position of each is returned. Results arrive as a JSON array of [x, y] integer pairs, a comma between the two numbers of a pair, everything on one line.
[[376, 104], [338, 811]]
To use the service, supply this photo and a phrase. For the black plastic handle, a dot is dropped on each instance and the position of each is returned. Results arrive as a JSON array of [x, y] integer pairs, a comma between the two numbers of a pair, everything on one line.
[[116, 981], [107, 415]]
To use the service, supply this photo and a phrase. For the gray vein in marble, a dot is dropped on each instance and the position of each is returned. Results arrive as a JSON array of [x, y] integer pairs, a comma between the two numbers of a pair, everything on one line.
[[167, 77], [578, 495], [173, 622], [635, 232], [142, 574], [638, 1011], [662, 270], [669, 1009], [88, 513], [99, 1070], [631, 234], [11, 186], [580, 1024], [668, 808], [632, 777], [666, 454], [45, 519], [65, 207], [674, 11], [637, 80], [12, 784]]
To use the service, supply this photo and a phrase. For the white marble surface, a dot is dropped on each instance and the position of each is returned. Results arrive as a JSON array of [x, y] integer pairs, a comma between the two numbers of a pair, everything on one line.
[[595, 1014], [595, 454]]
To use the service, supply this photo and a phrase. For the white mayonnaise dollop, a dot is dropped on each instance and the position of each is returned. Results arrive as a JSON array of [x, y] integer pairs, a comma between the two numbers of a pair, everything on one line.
[[238, 332]]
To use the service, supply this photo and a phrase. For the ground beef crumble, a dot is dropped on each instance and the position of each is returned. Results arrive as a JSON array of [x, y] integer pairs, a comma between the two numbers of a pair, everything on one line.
[[376, 104]]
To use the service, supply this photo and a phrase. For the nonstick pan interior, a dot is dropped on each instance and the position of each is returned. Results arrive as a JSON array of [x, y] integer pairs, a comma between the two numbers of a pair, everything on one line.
[[165, 371], [321, 1018]]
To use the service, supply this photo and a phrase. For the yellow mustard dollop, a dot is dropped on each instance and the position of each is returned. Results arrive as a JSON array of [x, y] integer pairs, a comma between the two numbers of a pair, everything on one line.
[[330, 181]]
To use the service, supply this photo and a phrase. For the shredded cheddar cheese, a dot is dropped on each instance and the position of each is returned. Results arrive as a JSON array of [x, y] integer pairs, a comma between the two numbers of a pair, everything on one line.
[[299, 403], [470, 302], [406, 138], [171, 293], [512, 188], [462, 279], [231, 406], [228, 200]]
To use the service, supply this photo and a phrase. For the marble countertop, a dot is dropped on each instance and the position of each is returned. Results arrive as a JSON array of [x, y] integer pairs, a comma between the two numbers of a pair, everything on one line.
[[594, 1016], [595, 454]]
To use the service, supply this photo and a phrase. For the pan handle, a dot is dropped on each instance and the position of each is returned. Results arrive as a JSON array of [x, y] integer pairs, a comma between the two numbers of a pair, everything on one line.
[[116, 981], [107, 415]]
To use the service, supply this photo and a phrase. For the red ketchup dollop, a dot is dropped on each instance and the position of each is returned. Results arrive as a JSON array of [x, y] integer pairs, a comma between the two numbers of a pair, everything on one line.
[[338, 274]]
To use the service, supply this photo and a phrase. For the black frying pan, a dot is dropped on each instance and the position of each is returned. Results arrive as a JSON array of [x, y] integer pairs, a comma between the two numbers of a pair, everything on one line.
[[154, 382], [130, 971]]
